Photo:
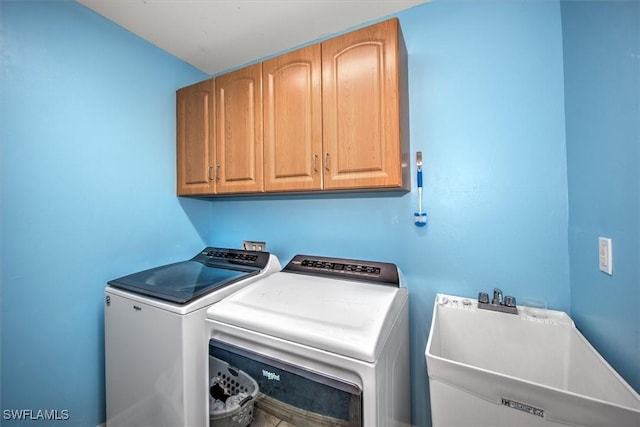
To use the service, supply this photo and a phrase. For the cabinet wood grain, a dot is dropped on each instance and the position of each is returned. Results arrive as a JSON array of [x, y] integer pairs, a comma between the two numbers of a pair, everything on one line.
[[363, 140], [293, 120], [195, 138], [332, 116], [239, 152]]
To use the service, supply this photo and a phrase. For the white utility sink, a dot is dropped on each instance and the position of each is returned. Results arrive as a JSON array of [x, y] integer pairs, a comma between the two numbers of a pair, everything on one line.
[[488, 368]]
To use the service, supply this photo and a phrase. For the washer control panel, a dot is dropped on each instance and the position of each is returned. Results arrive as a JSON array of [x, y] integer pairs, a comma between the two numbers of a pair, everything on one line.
[[222, 256]]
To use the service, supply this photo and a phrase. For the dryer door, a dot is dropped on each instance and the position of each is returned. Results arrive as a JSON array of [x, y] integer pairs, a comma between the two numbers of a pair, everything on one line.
[[288, 393]]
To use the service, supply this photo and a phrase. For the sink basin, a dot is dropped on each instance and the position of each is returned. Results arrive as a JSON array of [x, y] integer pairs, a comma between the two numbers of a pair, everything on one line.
[[500, 369]]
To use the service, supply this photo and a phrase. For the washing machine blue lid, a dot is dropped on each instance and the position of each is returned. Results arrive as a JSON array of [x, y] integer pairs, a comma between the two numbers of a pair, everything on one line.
[[210, 270], [350, 318]]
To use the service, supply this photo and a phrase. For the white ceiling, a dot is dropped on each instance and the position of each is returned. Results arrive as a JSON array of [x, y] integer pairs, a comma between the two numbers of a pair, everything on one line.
[[217, 35]]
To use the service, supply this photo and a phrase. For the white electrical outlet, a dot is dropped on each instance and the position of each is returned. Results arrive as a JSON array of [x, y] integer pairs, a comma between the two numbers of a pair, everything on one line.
[[250, 245], [606, 255]]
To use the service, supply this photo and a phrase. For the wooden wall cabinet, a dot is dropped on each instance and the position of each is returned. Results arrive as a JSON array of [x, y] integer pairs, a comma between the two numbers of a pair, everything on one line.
[[334, 117], [333, 114], [293, 121], [239, 131], [364, 96], [195, 136], [219, 134]]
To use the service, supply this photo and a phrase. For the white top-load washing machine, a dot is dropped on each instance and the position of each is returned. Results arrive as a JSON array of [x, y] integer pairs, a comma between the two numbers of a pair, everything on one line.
[[326, 340], [155, 338]]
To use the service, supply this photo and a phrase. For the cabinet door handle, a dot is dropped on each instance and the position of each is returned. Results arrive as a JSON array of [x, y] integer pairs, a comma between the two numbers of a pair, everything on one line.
[[209, 173], [217, 172], [315, 162], [326, 161]]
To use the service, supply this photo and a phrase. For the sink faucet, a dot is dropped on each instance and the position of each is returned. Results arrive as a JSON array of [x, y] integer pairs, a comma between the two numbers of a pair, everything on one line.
[[497, 296], [498, 303]]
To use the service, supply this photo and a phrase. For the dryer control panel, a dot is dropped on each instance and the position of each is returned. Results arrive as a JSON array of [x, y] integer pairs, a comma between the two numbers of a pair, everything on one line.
[[382, 273]]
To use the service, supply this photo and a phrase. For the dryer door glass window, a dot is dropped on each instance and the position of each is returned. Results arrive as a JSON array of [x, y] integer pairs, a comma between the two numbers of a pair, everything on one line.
[[288, 393]]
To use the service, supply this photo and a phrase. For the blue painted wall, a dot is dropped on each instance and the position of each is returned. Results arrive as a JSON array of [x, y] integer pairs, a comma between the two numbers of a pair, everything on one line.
[[88, 174], [88, 194], [487, 111], [602, 97]]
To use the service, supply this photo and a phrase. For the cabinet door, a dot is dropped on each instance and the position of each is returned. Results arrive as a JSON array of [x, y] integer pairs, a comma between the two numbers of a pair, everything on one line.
[[239, 131], [293, 120], [361, 108], [194, 135]]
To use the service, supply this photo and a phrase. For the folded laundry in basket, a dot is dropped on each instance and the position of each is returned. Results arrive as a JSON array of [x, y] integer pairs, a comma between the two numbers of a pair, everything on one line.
[[217, 391], [220, 399], [237, 400], [216, 405], [233, 402]]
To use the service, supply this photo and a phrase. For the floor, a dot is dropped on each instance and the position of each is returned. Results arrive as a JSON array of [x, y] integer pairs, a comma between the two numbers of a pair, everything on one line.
[[264, 419], [269, 412]]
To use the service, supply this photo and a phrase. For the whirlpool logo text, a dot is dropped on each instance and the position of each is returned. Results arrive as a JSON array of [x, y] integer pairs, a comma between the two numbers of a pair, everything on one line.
[[271, 376]]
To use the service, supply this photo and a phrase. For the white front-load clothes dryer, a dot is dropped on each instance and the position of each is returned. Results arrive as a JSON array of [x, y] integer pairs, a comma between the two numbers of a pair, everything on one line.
[[155, 338], [326, 340]]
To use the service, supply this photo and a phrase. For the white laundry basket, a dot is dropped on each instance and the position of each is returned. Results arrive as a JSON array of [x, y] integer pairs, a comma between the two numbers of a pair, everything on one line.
[[233, 381]]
